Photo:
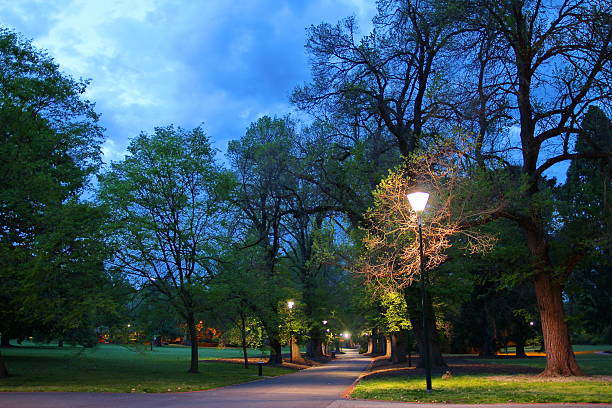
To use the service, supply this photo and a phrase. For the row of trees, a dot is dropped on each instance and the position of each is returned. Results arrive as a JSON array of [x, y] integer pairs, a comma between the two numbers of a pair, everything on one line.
[[518, 75], [476, 99]]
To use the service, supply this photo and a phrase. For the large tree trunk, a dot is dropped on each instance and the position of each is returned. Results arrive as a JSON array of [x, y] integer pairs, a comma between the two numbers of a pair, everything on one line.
[[520, 348], [276, 356], [488, 343], [243, 335], [3, 370], [193, 337], [520, 338], [5, 341], [388, 347], [295, 351], [376, 345], [314, 346], [370, 345], [398, 348], [560, 359], [414, 313]]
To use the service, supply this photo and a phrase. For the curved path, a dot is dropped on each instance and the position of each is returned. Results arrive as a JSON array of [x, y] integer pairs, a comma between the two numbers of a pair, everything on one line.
[[316, 387]]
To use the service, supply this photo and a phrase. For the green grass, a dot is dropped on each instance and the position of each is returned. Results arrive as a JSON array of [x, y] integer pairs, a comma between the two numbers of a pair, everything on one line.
[[114, 368], [591, 347], [480, 389], [591, 364], [474, 389]]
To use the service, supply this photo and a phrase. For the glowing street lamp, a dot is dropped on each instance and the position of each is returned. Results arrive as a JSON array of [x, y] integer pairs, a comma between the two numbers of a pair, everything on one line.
[[418, 201], [290, 304]]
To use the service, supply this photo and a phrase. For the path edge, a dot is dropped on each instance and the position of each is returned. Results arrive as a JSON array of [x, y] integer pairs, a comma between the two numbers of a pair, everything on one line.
[[347, 392]]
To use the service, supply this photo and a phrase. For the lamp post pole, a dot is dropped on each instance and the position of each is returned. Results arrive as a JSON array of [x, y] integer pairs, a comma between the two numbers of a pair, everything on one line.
[[418, 201], [324, 340], [423, 306], [290, 306]]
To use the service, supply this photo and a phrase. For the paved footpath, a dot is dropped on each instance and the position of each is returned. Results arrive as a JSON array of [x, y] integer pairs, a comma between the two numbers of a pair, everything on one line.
[[317, 387]]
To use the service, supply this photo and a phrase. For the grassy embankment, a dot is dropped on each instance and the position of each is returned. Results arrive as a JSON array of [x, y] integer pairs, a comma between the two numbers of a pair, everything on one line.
[[115, 368], [494, 388]]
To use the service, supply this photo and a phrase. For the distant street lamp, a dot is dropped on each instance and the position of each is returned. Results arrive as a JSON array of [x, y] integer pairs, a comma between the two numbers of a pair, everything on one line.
[[290, 306], [346, 336], [325, 339], [418, 201]]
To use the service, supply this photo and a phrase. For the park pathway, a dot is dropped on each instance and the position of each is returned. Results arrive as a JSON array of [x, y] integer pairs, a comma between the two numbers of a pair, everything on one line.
[[316, 387]]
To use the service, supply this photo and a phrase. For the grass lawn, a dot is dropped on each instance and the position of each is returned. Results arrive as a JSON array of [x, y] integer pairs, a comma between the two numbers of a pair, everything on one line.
[[591, 363], [494, 388], [115, 368]]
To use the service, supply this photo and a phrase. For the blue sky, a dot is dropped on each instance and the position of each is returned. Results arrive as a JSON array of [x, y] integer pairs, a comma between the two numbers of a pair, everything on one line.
[[156, 62]]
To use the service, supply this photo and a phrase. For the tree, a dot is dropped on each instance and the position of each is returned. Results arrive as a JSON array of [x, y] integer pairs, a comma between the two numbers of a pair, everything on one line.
[[381, 96], [3, 370], [50, 147], [166, 203], [65, 280], [238, 296], [550, 63], [260, 160], [391, 251], [583, 204], [393, 78], [151, 316]]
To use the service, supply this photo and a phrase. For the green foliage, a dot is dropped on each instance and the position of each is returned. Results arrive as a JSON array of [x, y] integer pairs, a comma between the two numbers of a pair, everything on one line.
[[65, 281], [395, 312], [51, 258], [583, 238], [166, 203], [254, 335]]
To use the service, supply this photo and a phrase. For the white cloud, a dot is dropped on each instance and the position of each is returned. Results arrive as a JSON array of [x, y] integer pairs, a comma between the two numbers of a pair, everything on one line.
[[155, 62], [112, 152]]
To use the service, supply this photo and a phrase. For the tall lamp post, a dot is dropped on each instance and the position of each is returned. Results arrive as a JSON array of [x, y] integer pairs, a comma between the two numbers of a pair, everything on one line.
[[324, 343], [290, 306], [418, 200]]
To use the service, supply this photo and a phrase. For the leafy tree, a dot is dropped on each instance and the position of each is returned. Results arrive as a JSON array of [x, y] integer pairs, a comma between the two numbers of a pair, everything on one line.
[[392, 78], [550, 63], [261, 160], [65, 280], [50, 146], [391, 251], [166, 201], [585, 217], [395, 320], [381, 96], [237, 296], [152, 316]]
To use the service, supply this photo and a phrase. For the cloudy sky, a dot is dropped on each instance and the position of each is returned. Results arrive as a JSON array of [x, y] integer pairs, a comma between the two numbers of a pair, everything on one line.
[[186, 62]]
